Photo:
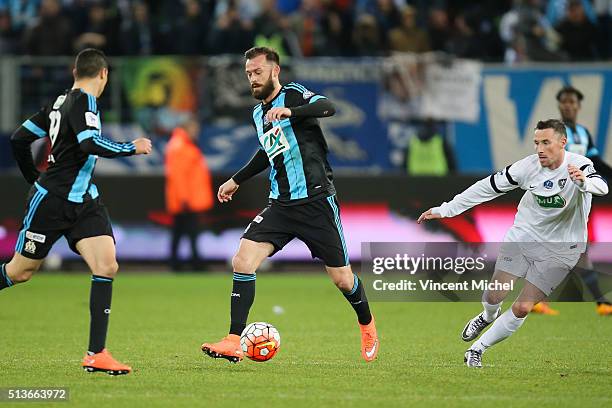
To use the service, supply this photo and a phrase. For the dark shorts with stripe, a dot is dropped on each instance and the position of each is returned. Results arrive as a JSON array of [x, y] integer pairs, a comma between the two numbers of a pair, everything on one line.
[[48, 217], [315, 223]]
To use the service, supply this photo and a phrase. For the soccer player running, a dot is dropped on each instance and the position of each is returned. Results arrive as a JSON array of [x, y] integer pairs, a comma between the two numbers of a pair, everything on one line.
[[64, 201], [302, 201], [548, 236]]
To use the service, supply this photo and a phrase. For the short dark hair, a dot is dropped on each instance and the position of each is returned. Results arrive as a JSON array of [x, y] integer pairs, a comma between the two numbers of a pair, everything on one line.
[[89, 62], [570, 90], [555, 124], [270, 53]]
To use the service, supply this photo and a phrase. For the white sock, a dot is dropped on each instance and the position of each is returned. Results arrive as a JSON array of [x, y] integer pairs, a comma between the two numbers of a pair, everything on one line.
[[490, 311], [502, 328]]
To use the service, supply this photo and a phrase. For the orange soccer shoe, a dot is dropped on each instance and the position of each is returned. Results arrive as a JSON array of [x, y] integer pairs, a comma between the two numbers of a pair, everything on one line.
[[103, 361], [228, 348], [545, 309], [604, 309], [369, 341]]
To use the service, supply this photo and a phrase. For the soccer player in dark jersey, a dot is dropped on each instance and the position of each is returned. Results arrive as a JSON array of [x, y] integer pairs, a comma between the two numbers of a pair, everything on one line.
[[579, 141], [302, 197], [64, 201]]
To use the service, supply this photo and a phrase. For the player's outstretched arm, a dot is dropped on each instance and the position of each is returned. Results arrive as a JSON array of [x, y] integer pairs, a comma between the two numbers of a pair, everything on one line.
[[321, 108], [258, 163], [592, 182], [91, 142]]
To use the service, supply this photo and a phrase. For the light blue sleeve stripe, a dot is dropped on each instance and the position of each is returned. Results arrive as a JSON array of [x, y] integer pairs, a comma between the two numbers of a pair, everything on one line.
[[114, 146], [592, 152], [86, 134], [31, 126], [316, 98], [105, 144], [299, 86]]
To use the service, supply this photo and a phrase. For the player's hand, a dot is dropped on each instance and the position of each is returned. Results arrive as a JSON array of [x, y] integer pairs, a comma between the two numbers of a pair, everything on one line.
[[278, 114], [143, 145], [428, 215], [576, 175], [227, 190]]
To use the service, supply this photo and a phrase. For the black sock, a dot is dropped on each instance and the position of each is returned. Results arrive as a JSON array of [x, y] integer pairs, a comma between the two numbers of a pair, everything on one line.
[[589, 277], [359, 301], [5, 281], [99, 309], [243, 295]]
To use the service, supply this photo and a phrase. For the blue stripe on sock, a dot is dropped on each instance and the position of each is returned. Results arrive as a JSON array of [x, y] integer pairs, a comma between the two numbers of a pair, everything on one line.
[[244, 277], [355, 284], [9, 282], [96, 278]]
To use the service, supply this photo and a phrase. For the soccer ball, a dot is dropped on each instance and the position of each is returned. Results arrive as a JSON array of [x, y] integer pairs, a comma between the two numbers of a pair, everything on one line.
[[260, 341]]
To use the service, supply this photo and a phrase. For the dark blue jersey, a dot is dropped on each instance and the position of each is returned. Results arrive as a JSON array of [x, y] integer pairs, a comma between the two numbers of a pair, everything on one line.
[[296, 149], [579, 141], [73, 125]]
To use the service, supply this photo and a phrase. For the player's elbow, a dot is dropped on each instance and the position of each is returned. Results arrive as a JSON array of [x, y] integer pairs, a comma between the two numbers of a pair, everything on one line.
[[87, 146]]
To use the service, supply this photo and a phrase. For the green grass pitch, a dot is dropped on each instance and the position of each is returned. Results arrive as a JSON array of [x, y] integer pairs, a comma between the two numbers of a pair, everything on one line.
[[159, 321]]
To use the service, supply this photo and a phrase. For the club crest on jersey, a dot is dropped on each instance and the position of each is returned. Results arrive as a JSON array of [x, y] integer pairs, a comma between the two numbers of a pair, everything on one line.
[[562, 183], [548, 184], [30, 247], [274, 142], [555, 201]]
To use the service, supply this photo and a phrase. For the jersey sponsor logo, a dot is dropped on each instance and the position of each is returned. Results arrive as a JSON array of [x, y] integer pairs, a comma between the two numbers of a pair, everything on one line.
[[91, 119], [548, 184], [36, 237], [555, 201], [274, 142], [562, 183], [30, 247]]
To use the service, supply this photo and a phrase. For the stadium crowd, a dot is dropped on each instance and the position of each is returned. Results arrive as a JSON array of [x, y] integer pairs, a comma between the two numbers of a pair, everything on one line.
[[489, 30]]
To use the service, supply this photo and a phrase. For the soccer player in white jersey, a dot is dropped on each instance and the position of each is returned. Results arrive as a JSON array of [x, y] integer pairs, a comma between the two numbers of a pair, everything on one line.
[[548, 235]]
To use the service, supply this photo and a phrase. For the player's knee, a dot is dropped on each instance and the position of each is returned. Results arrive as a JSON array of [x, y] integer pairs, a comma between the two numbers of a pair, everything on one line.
[[344, 282], [522, 309], [107, 269], [244, 264]]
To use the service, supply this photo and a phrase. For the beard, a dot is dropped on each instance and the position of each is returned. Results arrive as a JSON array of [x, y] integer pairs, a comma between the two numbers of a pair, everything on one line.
[[264, 91]]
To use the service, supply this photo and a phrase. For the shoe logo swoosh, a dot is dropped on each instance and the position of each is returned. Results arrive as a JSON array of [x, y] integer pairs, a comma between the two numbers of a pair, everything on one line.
[[370, 353]]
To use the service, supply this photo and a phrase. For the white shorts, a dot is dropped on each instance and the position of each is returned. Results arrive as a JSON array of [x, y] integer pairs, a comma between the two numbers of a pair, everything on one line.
[[536, 263]]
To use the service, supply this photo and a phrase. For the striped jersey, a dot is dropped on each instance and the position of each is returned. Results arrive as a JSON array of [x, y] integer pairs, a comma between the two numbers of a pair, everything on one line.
[[579, 141], [296, 149], [73, 126]]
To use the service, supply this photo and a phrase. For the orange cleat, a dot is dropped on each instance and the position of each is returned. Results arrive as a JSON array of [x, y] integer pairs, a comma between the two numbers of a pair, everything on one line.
[[369, 341], [103, 361], [545, 309], [228, 348], [604, 309]]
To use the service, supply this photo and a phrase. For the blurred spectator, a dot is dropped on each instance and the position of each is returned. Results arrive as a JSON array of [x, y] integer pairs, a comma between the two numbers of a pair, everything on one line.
[[463, 42], [534, 34], [578, 34], [23, 13], [408, 37], [52, 34], [188, 189], [231, 34], [192, 29], [556, 11], [386, 13], [428, 153], [307, 24], [137, 34], [272, 30], [439, 29], [367, 39], [9, 38], [603, 9], [246, 10], [99, 33]]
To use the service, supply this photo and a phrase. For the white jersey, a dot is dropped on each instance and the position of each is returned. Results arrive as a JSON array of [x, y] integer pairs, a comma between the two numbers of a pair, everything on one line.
[[554, 209]]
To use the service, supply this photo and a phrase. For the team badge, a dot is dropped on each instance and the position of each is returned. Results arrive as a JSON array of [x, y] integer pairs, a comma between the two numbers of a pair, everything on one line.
[[30, 247], [548, 184], [562, 183]]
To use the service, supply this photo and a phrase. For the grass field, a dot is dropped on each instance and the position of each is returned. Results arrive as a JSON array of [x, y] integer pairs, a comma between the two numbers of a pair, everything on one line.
[[159, 321]]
